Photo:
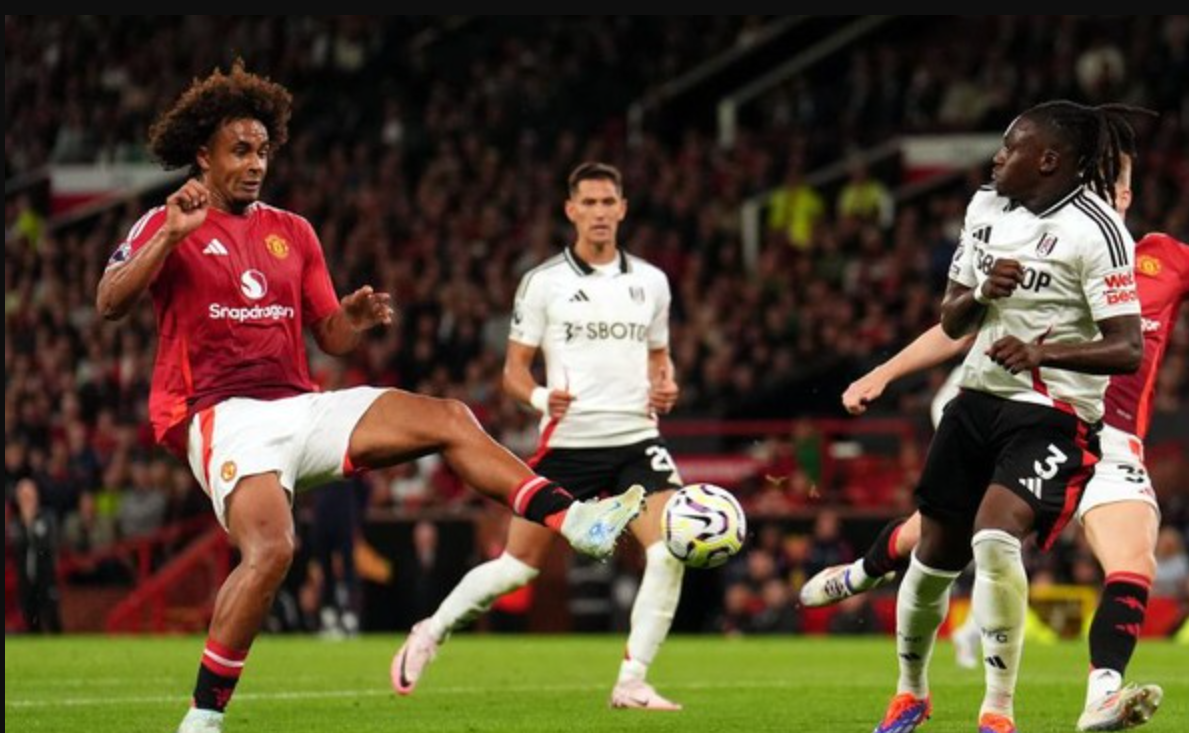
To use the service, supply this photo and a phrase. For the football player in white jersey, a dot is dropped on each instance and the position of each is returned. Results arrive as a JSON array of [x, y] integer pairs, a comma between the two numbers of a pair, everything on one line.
[[1044, 278], [1119, 510], [600, 318]]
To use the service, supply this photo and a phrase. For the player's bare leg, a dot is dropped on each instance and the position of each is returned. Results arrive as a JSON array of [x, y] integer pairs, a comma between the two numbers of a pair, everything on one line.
[[260, 523], [1123, 537], [401, 426], [525, 553], [652, 612]]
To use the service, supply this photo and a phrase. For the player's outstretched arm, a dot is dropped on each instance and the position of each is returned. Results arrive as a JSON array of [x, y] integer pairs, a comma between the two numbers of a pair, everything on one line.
[[123, 283], [928, 350], [338, 334]]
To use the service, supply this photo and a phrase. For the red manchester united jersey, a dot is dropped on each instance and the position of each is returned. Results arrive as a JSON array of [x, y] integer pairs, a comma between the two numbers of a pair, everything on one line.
[[231, 302], [1162, 279]]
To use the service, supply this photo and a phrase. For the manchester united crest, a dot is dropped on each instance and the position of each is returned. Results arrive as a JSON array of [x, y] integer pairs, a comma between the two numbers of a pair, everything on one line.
[[277, 246], [227, 472], [1148, 265]]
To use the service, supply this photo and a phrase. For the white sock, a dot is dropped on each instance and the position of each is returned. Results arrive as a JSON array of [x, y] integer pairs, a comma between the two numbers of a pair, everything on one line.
[[652, 613], [921, 605], [1101, 683], [199, 717], [477, 590], [1000, 603], [857, 576]]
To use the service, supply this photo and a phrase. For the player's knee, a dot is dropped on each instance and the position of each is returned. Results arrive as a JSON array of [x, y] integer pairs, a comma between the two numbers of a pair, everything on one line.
[[271, 558], [996, 552], [658, 558], [458, 417]]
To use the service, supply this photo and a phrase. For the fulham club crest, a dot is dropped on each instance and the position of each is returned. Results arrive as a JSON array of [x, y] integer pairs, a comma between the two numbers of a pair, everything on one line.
[[637, 293], [1046, 244]]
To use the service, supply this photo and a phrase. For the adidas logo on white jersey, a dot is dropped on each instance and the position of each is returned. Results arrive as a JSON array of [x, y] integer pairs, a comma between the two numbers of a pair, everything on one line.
[[215, 247], [580, 297]]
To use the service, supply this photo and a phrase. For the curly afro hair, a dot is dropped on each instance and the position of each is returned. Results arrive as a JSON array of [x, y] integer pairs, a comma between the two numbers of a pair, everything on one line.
[[180, 131]]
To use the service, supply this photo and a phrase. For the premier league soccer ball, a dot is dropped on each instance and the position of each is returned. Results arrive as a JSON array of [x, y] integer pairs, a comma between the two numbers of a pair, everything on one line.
[[703, 525]]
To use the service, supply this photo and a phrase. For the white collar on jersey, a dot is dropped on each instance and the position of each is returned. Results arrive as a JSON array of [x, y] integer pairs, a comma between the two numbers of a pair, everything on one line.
[[584, 268]]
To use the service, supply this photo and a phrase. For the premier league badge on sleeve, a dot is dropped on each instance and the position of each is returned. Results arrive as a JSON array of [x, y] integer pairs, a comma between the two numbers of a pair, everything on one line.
[[122, 253]]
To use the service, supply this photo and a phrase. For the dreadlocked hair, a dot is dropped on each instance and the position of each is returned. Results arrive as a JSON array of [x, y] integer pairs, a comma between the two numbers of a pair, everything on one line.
[[176, 135], [1099, 136]]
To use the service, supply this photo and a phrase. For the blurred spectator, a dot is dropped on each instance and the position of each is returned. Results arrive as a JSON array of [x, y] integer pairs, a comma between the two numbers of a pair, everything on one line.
[[142, 510], [855, 615], [15, 468], [186, 498], [422, 582], [863, 198], [408, 486], [795, 209], [827, 546], [1101, 69], [337, 522], [1172, 564], [736, 613], [776, 614], [85, 532], [35, 536], [28, 224], [769, 537]]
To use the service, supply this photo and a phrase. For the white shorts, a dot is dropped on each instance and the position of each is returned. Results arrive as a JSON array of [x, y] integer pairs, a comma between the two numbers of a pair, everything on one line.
[[303, 439], [1120, 475]]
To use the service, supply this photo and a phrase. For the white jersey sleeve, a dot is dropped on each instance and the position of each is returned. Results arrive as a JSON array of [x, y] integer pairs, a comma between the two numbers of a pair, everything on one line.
[[962, 265], [1109, 274], [658, 329], [529, 311]]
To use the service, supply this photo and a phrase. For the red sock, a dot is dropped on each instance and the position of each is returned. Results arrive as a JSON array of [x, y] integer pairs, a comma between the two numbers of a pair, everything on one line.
[[539, 500], [882, 557], [217, 676], [555, 520], [1118, 620]]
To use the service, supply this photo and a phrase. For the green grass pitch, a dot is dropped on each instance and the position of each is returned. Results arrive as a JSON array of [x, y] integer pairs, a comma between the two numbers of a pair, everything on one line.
[[540, 683]]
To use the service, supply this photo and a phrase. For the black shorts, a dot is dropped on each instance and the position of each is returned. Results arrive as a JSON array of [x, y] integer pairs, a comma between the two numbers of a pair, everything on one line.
[[590, 472], [1042, 454]]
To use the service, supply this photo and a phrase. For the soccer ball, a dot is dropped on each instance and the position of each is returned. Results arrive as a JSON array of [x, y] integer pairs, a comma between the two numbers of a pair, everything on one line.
[[703, 525]]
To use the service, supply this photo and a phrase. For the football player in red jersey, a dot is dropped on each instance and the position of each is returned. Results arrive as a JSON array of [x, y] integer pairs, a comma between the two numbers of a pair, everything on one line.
[[1118, 510], [234, 283]]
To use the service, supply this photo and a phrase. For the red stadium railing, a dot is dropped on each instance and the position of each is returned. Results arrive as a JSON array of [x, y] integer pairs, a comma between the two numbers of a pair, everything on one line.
[[138, 553], [12, 610], [181, 596]]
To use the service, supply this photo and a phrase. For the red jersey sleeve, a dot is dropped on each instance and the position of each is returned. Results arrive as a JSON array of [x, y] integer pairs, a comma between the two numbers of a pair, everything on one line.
[[142, 231], [318, 299], [1182, 249]]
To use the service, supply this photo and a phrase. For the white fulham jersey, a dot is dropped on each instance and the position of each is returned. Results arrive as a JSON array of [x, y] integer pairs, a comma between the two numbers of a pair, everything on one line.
[[595, 327], [1078, 261]]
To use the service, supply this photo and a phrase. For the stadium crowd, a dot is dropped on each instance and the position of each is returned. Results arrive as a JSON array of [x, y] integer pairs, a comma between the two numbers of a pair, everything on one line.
[[431, 160]]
